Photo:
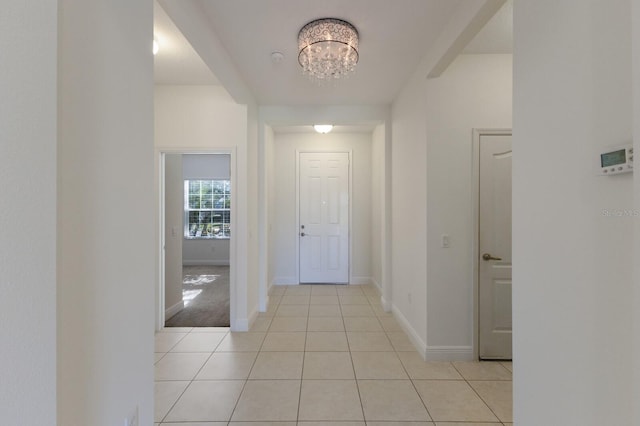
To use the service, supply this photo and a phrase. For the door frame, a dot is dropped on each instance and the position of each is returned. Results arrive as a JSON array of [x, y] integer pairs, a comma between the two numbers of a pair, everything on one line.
[[161, 240], [297, 204], [475, 218]]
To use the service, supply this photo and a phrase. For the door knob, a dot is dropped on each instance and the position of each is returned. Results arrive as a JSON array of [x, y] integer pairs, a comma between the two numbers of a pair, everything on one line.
[[487, 256], [302, 234]]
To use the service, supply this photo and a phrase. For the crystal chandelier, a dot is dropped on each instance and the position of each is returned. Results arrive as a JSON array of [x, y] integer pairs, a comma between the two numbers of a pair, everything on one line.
[[328, 49]]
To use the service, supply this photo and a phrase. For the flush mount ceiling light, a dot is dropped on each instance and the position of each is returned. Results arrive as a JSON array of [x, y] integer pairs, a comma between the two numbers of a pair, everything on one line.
[[328, 49], [323, 128]]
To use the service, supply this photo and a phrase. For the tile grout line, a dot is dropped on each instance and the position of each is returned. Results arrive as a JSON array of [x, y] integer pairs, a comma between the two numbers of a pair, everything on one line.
[[424, 404], [355, 377], [476, 392], [304, 355], [194, 376], [253, 364]]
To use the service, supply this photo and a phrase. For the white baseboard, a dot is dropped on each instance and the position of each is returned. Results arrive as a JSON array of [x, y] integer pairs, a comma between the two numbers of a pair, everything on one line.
[[285, 281], [377, 284], [386, 305], [420, 345], [244, 324], [241, 324], [431, 353], [206, 262], [266, 303], [172, 310], [360, 280], [449, 353], [253, 317]]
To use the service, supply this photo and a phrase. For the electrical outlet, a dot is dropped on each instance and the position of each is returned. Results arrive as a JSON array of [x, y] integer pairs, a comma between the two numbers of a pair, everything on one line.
[[446, 241], [132, 420]]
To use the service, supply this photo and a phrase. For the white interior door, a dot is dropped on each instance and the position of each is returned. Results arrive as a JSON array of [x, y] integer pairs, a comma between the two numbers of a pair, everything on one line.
[[324, 217], [494, 291]]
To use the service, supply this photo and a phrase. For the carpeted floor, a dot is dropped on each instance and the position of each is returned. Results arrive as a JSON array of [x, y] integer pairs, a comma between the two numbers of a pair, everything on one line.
[[205, 292]]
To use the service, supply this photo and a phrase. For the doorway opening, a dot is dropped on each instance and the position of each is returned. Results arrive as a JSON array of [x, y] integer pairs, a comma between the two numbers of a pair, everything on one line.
[[363, 252], [197, 217]]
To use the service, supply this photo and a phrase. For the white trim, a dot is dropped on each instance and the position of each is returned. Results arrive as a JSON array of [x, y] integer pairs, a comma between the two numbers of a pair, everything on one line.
[[360, 280], [267, 300], [263, 219], [386, 304], [244, 324], [241, 324], [377, 284], [449, 353], [169, 312], [297, 204], [413, 335], [160, 301], [475, 227], [284, 281], [206, 262]]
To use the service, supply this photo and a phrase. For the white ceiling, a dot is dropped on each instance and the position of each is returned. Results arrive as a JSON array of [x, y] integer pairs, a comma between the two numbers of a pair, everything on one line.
[[394, 37]]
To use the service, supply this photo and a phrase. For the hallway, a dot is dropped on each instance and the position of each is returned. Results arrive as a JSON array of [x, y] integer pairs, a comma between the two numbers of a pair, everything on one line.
[[321, 355]]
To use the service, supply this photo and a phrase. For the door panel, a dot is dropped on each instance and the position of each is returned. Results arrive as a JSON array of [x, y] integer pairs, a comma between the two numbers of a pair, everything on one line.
[[494, 291], [324, 217]]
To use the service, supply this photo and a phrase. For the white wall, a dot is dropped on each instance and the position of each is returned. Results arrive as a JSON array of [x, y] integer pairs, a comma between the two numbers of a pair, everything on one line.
[[474, 92], [173, 230], [209, 251], [284, 226], [269, 140], [251, 210], [409, 210], [105, 247], [205, 118], [432, 195], [198, 117], [572, 298], [28, 31], [377, 203]]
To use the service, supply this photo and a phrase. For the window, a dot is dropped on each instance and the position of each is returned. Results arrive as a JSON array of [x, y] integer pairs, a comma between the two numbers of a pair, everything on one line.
[[207, 208]]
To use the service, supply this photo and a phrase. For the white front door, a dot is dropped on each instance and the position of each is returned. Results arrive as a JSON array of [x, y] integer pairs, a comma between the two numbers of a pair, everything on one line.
[[494, 291], [324, 217]]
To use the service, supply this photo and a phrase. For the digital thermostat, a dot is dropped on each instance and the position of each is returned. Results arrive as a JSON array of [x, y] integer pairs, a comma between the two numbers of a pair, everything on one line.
[[616, 160]]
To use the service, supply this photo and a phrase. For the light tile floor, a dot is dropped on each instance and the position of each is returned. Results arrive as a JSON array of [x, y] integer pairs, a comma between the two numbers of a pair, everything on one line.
[[321, 355]]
